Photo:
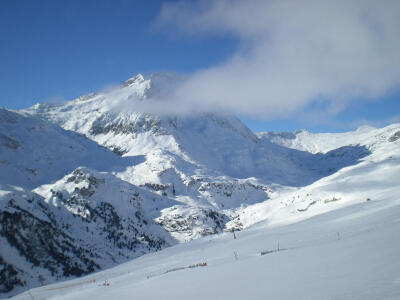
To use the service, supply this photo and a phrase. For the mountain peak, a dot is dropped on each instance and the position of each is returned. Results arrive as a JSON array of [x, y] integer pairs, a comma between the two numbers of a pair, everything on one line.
[[135, 79]]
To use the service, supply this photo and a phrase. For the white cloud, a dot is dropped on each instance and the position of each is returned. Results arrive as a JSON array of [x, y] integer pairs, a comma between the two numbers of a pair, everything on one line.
[[291, 54]]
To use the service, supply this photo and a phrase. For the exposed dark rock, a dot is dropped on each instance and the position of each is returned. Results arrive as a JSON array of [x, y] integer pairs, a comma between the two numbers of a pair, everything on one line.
[[44, 244], [9, 278], [9, 142], [147, 123], [395, 137], [210, 221], [118, 150]]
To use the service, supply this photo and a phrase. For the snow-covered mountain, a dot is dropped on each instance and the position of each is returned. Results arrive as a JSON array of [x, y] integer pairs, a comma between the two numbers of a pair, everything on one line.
[[74, 227], [91, 183], [59, 219], [324, 142], [201, 144], [375, 177], [348, 253], [34, 151]]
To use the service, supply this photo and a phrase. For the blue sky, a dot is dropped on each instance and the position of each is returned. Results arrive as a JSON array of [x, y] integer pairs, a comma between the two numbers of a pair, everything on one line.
[[57, 50], [60, 49]]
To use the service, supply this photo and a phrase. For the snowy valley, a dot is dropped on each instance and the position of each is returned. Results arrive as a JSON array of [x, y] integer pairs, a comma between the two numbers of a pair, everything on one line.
[[91, 184]]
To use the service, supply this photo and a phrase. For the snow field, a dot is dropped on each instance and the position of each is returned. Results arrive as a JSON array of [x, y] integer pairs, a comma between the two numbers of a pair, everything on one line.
[[314, 262]]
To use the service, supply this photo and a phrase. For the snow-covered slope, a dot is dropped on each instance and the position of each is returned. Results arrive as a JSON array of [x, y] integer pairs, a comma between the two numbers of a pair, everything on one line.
[[34, 152], [204, 161], [375, 177], [348, 253], [86, 221], [58, 219], [337, 239], [65, 211], [324, 142], [205, 144], [91, 183]]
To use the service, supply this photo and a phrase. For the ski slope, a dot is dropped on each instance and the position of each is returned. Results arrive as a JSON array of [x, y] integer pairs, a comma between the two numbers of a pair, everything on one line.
[[349, 253]]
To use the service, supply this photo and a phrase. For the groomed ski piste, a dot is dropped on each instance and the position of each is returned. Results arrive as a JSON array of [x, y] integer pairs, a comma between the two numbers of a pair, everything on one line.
[[350, 252]]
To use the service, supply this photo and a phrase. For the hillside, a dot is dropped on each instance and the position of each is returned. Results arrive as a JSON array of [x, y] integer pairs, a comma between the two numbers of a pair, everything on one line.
[[347, 253], [91, 183]]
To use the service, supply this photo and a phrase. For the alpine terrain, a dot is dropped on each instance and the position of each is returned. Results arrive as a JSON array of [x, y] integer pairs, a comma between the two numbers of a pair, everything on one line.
[[92, 183]]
